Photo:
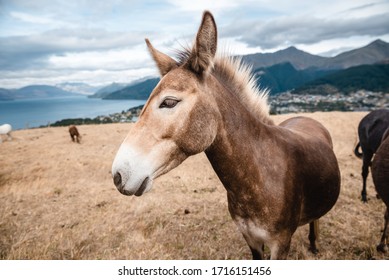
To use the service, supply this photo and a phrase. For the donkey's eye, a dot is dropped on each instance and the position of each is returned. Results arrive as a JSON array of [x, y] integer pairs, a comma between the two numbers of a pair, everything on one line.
[[169, 103]]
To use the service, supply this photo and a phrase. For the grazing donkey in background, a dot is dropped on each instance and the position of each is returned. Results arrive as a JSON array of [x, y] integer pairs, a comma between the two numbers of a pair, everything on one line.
[[5, 129], [370, 132], [277, 177], [380, 174], [74, 134]]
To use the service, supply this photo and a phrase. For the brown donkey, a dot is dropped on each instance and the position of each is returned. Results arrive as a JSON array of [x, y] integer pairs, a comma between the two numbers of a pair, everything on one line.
[[74, 134], [370, 132], [380, 173], [277, 177]]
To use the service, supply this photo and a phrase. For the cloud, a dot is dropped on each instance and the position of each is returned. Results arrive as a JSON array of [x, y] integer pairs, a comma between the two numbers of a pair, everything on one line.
[[286, 31], [31, 50], [31, 19]]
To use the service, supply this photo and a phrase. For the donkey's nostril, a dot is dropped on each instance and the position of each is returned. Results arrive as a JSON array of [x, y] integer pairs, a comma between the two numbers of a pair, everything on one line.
[[117, 180]]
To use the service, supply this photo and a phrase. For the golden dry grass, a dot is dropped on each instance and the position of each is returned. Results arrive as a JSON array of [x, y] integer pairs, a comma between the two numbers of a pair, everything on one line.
[[57, 201]]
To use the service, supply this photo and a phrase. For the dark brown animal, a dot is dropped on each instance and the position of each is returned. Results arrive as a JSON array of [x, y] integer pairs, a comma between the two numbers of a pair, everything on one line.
[[380, 173], [74, 134], [277, 177], [370, 131]]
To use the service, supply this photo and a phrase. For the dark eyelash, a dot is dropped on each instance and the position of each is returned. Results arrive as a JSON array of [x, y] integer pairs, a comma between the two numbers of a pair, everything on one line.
[[169, 103]]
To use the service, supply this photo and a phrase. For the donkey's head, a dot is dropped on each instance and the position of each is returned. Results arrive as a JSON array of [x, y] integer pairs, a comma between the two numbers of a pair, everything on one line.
[[178, 120]]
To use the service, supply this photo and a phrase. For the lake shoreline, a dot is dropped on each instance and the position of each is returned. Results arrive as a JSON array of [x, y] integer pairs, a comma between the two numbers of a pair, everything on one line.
[[128, 116], [35, 113]]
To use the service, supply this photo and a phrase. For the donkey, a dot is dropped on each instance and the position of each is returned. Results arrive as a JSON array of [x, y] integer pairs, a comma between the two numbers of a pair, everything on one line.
[[380, 174], [5, 129], [277, 177], [370, 131], [74, 134]]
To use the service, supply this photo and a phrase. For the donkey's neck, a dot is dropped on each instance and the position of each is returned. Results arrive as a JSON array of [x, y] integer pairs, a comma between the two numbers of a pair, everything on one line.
[[240, 147]]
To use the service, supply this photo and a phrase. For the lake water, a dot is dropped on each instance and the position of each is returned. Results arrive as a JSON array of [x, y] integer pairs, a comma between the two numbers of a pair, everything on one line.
[[28, 113]]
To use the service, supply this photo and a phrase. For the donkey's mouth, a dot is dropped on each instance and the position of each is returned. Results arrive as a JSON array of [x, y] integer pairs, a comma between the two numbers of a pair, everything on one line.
[[143, 187]]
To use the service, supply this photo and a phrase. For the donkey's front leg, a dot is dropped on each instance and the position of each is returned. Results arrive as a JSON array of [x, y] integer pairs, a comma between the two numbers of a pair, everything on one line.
[[382, 247], [257, 253], [279, 246]]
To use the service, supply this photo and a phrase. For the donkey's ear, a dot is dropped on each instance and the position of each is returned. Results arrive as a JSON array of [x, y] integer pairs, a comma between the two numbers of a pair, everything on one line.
[[201, 58], [164, 62]]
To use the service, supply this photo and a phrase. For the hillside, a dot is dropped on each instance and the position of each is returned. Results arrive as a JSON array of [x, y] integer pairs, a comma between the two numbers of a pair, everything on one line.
[[368, 77], [374, 52], [6, 94], [299, 59], [107, 90], [81, 88], [63, 205], [34, 91], [139, 91], [283, 77]]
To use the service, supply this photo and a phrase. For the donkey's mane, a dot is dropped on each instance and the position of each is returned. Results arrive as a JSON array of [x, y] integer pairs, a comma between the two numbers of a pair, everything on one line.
[[238, 77]]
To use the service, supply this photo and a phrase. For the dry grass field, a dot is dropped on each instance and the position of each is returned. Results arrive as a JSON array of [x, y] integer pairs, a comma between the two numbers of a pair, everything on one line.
[[57, 201]]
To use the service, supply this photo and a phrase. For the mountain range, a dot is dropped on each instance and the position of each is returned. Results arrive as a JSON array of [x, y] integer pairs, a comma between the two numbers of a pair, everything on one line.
[[34, 91], [136, 91], [81, 88], [286, 70], [290, 69], [375, 52], [116, 87], [107, 90], [373, 78]]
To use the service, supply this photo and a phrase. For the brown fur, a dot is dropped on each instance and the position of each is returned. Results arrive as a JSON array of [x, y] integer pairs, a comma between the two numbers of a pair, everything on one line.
[[277, 177], [380, 173], [74, 134]]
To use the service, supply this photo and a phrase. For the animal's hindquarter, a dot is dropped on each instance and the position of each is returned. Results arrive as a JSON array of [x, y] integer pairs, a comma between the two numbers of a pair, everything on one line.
[[380, 171], [320, 184], [315, 166]]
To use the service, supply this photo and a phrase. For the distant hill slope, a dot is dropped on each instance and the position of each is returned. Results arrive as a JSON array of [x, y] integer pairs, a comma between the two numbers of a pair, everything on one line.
[[368, 77], [299, 59], [374, 52], [140, 91], [107, 90], [6, 94], [283, 77], [35, 91], [81, 88]]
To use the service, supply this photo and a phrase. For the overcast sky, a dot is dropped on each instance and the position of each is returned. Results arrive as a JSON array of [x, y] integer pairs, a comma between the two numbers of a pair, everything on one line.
[[100, 42]]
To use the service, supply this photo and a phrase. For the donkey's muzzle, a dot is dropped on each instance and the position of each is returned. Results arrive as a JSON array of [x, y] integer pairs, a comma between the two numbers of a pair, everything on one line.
[[120, 185], [132, 172]]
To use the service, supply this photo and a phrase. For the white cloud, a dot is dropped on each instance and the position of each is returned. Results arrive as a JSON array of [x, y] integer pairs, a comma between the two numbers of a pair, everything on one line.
[[200, 5], [286, 31], [31, 19], [120, 59]]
